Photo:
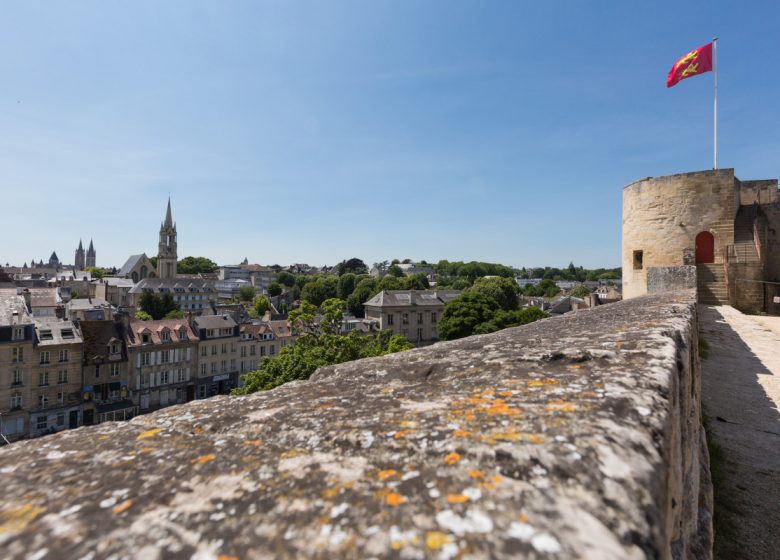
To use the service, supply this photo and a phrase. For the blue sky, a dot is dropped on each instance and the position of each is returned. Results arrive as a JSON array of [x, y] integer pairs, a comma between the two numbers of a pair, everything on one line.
[[318, 131]]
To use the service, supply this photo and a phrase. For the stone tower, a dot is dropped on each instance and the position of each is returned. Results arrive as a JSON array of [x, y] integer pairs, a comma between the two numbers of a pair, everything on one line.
[[54, 261], [91, 254], [166, 254], [80, 263]]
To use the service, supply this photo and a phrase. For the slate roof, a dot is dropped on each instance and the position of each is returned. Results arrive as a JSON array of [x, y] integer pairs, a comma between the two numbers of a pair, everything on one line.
[[50, 332], [409, 298], [10, 302], [129, 265], [214, 322], [170, 284], [134, 337], [97, 335]]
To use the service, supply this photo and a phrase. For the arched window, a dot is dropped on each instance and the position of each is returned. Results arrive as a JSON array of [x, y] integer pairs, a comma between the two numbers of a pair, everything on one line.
[[705, 247], [144, 271], [135, 276]]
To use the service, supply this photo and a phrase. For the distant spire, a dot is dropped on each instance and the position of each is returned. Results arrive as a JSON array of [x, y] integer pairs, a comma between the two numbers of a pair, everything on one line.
[[168, 217], [91, 247], [81, 248]]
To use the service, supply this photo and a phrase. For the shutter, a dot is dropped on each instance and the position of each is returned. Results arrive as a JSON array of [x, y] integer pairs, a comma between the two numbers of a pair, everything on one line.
[[189, 354], [137, 381], [157, 358], [138, 360], [187, 373]]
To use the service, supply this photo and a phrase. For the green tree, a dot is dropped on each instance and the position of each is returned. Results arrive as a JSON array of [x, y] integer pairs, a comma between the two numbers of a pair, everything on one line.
[[195, 265], [142, 316], [302, 318], [415, 282], [396, 271], [503, 290], [462, 314], [157, 305], [353, 265], [580, 291], [312, 351], [320, 289], [153, 260], [364, 290], [332, 315], [174, 314], [260, 305], [346, 286], [274, 289], [95, 272], [286, 278], [245, 293]]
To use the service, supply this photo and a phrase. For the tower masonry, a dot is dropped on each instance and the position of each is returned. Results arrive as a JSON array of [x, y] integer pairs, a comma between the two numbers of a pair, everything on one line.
[[167, 255]]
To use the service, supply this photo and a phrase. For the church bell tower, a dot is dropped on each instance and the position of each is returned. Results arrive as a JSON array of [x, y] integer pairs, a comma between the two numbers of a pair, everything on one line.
[[166, 254]]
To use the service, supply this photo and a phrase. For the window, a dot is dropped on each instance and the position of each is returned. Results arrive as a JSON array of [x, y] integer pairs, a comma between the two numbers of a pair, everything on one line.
[[16, 401], [232, 364], [203, 369], [114, 369], [18, 333], [433, 317], [243, 351], [97, 370], [63, 355], [204, 351], [390, 319], [62, 376], [61, 397], [44, 357], [405, 318], [165, 356], [233, 347], [272, 350], [145, 338], [638, 260], [46, 335], [17, 377], [224, 348], [419, 333], [67, 333], [214, 367], [165, 336], [17, 355], [252, 350], [113, 394], [202, 392], [43, 401], [115, 348], [43, 378], [419, 318], [165, 377], [224, 365], [183, 334], [214, 350], [262, 350], [61, 419], [40, 423], [146, 358], [180, 376]]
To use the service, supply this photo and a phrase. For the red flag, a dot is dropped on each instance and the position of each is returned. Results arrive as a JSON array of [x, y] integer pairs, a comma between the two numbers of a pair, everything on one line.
[[695, 62]]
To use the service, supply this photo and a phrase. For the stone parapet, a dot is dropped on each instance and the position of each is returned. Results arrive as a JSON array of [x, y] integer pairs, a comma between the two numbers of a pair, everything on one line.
[[577, 436]]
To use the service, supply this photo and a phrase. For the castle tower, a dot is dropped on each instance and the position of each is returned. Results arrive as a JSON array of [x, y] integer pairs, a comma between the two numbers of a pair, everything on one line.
[[79, 262], [166, 253], [91, 256], [54, 261]]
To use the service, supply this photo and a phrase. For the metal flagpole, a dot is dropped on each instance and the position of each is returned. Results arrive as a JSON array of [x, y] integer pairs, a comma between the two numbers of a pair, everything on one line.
[[715, 107]]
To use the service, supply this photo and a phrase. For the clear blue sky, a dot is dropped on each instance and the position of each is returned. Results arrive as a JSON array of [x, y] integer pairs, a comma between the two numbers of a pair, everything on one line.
[[318, 131]]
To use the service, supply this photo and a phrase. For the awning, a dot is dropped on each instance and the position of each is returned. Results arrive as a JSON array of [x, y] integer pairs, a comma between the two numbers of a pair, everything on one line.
[[114, 406]]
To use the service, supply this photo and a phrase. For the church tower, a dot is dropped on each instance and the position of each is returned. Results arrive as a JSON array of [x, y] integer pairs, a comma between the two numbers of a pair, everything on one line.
[[80, 262], [166, 254], [91, 254]]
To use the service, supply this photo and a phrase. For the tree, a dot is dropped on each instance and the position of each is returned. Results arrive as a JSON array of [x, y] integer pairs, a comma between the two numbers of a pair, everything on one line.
[[332, 315], [274, 289], [415, 282], [462, 314], [95, 272], [312, 351], [395, 270], [153, 260], [142, 316], [245, 293], [260, 305], [545, 288], [286, 278], [364, 290], [503, 290], [580, 291], [353, 265], [175, 314], [346, 286], [195, 265], [302, 318], [320, 289], [157, 305]]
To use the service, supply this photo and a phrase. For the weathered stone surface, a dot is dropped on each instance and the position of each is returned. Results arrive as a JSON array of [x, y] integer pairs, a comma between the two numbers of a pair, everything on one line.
[[577, 436], [671, 278]]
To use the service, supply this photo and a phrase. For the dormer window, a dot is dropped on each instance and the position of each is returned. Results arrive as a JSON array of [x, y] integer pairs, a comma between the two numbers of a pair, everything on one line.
[[115, 347], [165, 335], [46, 335], [18, 333], [183, 334]]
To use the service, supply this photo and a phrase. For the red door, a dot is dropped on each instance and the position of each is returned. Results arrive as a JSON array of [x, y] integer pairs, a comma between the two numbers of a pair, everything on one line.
[[705, 248]]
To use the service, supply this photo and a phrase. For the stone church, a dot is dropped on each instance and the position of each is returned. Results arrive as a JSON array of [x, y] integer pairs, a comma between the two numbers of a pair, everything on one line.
[[728, 228]]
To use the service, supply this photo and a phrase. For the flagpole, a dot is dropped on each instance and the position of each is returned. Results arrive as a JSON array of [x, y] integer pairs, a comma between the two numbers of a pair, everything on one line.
[[715, 106]]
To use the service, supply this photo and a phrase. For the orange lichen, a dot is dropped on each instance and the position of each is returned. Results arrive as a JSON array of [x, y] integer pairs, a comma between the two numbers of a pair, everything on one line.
[[558, 405], [535, 438], [226, 557], [149, 433], [197, 430], [255, 442], [523, 518], [541, 382], [452, 458], [403, 433], [383, 475], [505, 393], [124, 506], [499, 406], [575, 366], [477, 474], [103, 437], [461, 433], [456, 498], [434, 540], [394, 499], [204, 459], [146, 450], [17, 518]]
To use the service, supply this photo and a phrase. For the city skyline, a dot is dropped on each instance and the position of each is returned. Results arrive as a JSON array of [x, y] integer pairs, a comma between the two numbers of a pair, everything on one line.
[[314, 134]]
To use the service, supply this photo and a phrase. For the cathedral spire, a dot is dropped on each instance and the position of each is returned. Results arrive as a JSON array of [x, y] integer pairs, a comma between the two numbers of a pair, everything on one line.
[[81, 248], [168, 217]]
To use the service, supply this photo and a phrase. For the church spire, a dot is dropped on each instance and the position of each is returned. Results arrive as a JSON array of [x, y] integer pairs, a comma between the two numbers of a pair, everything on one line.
[[81, 248], [168, 217]]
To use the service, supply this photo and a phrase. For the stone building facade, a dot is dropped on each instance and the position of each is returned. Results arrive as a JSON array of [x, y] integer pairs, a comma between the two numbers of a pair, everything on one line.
[[414, 314], [17, 333], [218, 338], [726, 227]]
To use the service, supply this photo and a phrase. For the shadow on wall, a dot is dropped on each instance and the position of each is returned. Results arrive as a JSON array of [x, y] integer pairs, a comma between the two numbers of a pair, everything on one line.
[[744, 424]]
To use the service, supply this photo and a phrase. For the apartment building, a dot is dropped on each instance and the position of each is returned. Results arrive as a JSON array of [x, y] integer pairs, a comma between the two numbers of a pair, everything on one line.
[[414, 314], [257, 342], [17, 332], [218, 369]]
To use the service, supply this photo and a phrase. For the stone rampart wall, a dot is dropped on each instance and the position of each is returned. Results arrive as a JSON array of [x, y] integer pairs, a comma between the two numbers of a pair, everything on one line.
[[576, 436]]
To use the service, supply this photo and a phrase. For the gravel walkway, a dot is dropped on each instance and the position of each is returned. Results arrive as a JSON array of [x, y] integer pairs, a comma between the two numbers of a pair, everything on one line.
[[741, 393]]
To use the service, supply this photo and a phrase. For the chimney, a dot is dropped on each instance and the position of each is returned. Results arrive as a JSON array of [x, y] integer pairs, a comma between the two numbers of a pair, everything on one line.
[[26, 295], [594, 299]]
